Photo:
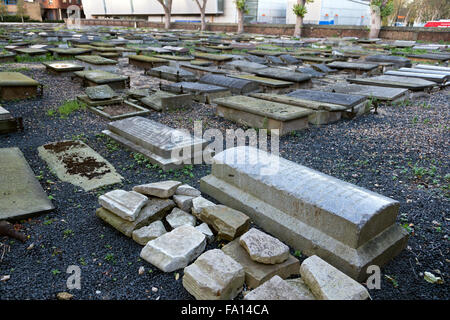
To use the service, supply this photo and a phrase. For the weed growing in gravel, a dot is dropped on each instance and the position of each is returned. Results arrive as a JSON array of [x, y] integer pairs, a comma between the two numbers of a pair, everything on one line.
[[67, 233], [110, 258], [55, 272], [67, 108], [47, 57]]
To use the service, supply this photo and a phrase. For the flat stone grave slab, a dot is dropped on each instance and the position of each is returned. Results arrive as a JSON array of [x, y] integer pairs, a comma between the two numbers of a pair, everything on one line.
[[216, 58], [163, 101], [263, 53], [441, 57], [257, 273], [346, 100], [201, 63], [22, 195], [314, 59], [267, 84], [6, 56], [353, 66], [428, 71], [101, 92], [311, 71], [171, 74], [99, 77], [62, 67], [288, 59], [274, 60], [200, 70], [154, 49], [76, 163], [119, 110], [96, 60], [146, 62], [202, 92], [301, 80], [31, 51], [396, 60], [14, 85], [263, 114], [244, 66], [413, 84], [323, 68], [403, 44], [430, 67], [69, 52], [162, 145], [348, 226], [438, 78], [174, 58], [380, 93], [255, 59], [236, 85]]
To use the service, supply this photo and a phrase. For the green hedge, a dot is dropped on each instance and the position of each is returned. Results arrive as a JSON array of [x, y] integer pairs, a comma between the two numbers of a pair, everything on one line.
[[26, 19]]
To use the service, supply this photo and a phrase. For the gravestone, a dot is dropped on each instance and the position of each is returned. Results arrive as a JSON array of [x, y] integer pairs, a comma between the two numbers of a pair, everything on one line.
[[323, 68], [163, 101], [98, 77], [353, 66], [76, 163], [62, 67], [242, 65], [96, 60], [21, 193], [236, 86], [430, 67], [300, 80], [162, 145], [101, 92], [429, 71], [413, 84], [349, 227], [288, 59], [431, 57], [171, 74], [346, 100], [274, 60], [14, 85], [255, 59], [201, 92], [200, 70], [267, 84], [147, 62], [216, 58], [313, 73], [68, 52], [396, 60], [438, 78], [263, 114], [386, 94]]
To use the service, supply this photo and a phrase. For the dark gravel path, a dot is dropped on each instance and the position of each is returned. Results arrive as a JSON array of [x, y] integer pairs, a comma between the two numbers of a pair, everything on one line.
[[402, 152]]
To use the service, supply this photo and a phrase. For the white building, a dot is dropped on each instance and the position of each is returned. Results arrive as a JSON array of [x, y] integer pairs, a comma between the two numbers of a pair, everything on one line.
[[350, 12]]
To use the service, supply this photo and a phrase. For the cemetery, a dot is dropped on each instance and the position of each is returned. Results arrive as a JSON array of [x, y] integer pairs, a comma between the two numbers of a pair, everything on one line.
[[102, 129]]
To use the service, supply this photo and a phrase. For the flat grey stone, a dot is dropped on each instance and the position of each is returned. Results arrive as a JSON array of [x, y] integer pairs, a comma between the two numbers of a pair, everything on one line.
[[264, 248], [102, 92], [328, 283], [161, 189], [179, 218], [396, 60], [4, 114], [204, 228], [214, 276], [150, 232], [352, 65], [275, 289], [198, 203], [413, 84], [174, 250], [228, 223], [236, 86], [187, 190], [283, 74], [347, 100], [125, 204], [183, 202], [379, 93], [21, 193]]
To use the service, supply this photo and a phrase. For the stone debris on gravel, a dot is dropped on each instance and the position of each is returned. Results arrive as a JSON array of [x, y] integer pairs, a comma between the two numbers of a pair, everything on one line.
[[150, 232], [125, 204], [183, 202], [179, 218], [275, 289], [174, 250], [205, 229], [198, 204], [162, 189], [264, 248], [214, 276], [328, 283], [187, 190]]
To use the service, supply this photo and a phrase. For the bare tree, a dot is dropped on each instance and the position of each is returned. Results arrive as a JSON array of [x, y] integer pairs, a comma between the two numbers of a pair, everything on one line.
[[241, 7], [300, 11], [3, 10], [167, 6], [20, 11], [379, 9], [202, 7]]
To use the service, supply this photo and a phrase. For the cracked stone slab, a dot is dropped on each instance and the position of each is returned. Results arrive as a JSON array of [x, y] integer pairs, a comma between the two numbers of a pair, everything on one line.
[[228, 223], [178, 218], [150, 232], [264, 248], [125, 204], [275, 289], [162, 189]]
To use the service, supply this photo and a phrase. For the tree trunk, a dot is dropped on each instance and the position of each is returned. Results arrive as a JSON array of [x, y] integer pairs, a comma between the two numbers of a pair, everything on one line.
[[240, 28], [298, 27], [166, 19], [202, 13], [375, 23]]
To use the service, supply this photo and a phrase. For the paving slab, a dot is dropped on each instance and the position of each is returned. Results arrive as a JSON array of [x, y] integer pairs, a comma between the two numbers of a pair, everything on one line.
[[413, 84]]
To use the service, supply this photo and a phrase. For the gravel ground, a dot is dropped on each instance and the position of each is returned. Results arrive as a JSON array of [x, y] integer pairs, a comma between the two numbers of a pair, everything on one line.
[[402, 152]]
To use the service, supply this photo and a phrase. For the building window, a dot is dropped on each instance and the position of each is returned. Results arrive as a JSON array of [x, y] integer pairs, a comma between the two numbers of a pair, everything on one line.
[[13, 2]]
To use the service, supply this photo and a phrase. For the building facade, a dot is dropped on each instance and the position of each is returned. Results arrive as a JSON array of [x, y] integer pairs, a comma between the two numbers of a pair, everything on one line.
[[57, 9], [32, 8]]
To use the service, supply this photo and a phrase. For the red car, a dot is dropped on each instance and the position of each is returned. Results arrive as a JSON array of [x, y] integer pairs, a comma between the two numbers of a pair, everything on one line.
[[438, 24]]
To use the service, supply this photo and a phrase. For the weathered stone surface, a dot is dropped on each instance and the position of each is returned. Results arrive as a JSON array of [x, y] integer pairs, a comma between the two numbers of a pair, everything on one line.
[[183, 202], [264, 248], [175, 249], [126, 204], [351, 227], [257, 273], [214, 276], [302, 287], [162, 100], [245, 66], [150, 232], [204, 228], [161, 189], [379, 93], [228, 223], [236, 86], [283, 74], [198, 204], [161, 144], [438, 78], [187, 190], [347, 100], [172, 74], [154, 210], [328, 283], [21, 193], [275, 289], [100, 92], [4, 114], [75, 162], [413, 84], [179, 218], [352, 65]]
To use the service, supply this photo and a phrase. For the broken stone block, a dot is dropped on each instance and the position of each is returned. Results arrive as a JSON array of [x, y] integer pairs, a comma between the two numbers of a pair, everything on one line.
[[125, 204], [150, 232], [302, 287], [154, 210], [346, 225], [228, 223], [183, 202], [204, 228], [214, 276], [162, 189], [275, 289], [198, 204], [179, 218], [101, 92], [264, 248], [175, 249], [328, 283], [257, 273], [187, 190]]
